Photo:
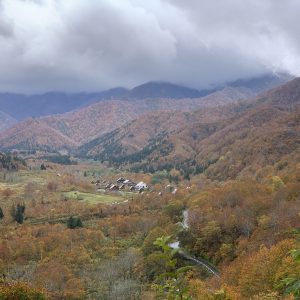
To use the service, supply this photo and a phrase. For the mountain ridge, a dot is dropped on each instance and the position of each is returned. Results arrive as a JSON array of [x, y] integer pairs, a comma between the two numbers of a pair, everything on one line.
[[21, 106], [220, 147]]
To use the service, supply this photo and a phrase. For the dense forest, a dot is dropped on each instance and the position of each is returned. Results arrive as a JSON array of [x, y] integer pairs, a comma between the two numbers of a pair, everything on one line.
[[57, 247], [219, 219], [149, 150]]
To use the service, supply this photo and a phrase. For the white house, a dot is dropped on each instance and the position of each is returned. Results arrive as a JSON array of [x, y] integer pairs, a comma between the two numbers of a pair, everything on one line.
[[141, 185]]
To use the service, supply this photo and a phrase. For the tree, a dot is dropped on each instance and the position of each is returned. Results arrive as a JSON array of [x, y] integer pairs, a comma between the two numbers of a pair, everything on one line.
[[59, 281], [171, 283], [292, 282], [18, 213], [74, 222], [1, 213], [19, 290], [148, 245], [174, 210]]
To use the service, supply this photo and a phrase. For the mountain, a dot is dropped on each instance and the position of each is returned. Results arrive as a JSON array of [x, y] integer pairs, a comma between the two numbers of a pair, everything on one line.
[[261, 83], [156, 138], [224, 142], [84, 124], [160, 90], [80, 126], [34, 134], [20, 106], [6, 121]]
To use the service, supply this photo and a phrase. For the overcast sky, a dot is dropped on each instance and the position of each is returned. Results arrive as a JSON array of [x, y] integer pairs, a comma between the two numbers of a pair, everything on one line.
[[72, 45]]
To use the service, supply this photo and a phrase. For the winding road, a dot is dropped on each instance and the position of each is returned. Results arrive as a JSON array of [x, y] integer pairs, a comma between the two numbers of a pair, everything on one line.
[[199, 261]]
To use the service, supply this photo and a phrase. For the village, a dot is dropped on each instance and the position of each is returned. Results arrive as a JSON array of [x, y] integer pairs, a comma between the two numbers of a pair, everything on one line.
[[121, 184]]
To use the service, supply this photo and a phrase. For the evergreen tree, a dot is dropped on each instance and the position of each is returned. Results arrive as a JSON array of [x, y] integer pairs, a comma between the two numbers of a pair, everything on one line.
[[186, 176], [19, 217], [18, 213], [1, 213], [74, 222], [70, 223]]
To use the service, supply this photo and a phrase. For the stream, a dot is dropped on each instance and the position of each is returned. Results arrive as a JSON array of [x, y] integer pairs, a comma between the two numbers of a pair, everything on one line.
[[199, 261]]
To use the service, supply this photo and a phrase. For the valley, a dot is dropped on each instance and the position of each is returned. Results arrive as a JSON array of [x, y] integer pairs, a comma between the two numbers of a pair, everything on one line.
[[76, 224], [149, 150]]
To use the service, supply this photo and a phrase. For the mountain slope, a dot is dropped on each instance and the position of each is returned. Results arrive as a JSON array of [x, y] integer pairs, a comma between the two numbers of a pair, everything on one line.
[[155, 135], [34, 134], [261, 83], [234, 141], [20, 106], [82, 125], [158, 90], [6, 121], [85, 124]]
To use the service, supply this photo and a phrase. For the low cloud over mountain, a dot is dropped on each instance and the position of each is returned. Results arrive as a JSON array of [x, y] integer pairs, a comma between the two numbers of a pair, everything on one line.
[[93, 45]]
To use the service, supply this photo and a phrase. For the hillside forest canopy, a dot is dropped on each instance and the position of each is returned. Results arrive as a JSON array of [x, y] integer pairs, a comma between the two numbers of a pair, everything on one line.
[[220, 224]]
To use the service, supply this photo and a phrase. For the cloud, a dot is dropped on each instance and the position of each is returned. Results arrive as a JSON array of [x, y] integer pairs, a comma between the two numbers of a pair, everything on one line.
[[76, 45]]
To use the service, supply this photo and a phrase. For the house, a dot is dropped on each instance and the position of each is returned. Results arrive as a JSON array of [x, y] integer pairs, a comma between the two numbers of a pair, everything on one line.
[[121, 180], [114, 187], [141, 186], [129, 182], [132, 188], [122, 187], [108, 186]]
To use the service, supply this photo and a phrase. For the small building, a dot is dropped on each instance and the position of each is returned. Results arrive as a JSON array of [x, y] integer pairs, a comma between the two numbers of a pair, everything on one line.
[[129, 182], [141, 186], [122, 187], [114, 187], [121, 180], [108, 186]]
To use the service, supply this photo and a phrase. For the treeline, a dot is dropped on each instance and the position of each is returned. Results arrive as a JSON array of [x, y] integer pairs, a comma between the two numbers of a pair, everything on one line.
[[187, 168], [60, 159], [11, 162]]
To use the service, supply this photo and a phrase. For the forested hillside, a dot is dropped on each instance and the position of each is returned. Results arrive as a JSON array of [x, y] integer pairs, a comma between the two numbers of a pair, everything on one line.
[[72, 129], [223, 142], [10, 162]]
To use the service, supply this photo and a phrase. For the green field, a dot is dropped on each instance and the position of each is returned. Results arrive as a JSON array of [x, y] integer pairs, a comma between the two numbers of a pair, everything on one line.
[[93, 198]]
